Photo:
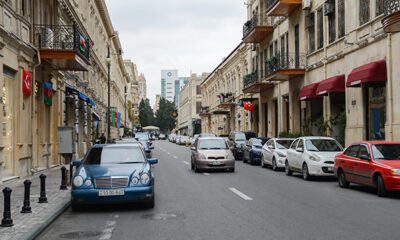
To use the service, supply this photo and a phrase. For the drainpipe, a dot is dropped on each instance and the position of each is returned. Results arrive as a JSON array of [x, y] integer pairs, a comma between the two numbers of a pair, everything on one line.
[[33, 111], [389, 131]]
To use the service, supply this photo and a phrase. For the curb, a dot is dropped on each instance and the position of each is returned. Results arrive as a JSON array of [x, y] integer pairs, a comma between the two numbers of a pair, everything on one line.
[[36, 231]]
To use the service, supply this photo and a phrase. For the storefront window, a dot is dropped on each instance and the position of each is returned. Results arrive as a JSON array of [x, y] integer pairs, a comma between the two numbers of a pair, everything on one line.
[[376, 113]]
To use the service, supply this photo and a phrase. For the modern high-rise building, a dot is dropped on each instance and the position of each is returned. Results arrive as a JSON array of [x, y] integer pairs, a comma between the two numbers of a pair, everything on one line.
[[168, 78], [179, 84]]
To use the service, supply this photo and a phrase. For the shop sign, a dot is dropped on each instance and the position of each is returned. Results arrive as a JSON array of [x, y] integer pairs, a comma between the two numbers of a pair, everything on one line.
[[26, 82]]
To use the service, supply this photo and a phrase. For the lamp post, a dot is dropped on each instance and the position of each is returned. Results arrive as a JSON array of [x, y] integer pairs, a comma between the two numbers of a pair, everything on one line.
[[126, 93], [108, 61]]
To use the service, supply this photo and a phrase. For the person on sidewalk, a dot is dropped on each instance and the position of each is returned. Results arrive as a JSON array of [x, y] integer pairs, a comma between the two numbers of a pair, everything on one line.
[[103, 139]]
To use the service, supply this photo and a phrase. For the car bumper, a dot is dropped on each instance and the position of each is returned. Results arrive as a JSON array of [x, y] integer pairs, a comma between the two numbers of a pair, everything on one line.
[[280, 163], [91, 196], [321, 170], [222, 164], [392, 183], [256, 158]]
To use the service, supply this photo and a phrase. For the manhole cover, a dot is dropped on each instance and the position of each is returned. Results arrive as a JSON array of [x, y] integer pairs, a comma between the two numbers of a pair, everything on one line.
[[160, 216], [80, 235]]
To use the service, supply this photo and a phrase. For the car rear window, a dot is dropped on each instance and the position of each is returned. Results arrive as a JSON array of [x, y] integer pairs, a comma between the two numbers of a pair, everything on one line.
[[240, 137], [115, 155], [206, 144]]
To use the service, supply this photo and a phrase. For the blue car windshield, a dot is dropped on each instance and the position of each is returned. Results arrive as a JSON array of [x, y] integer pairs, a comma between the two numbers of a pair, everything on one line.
[[114, 155]]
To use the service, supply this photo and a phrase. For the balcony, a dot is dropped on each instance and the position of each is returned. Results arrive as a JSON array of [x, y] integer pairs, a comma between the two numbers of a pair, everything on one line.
[[62, 47], [226, 101], [256, 30], [204, 111], [284, 66], [282, 7], [391, 21], [253, 84]]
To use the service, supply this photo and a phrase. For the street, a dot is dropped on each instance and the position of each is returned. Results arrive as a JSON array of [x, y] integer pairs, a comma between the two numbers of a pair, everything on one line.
[[251, 203]]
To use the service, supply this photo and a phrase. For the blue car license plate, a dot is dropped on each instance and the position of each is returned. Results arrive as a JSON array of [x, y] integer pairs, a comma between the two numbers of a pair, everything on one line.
[[118, 192]]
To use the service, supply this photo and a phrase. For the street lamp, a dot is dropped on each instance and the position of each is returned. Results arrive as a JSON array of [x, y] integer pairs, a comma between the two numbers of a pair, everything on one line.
[[126, 93], [108, 61]]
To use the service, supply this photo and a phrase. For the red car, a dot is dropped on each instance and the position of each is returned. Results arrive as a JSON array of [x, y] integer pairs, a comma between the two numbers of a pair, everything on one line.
[[371, 163]]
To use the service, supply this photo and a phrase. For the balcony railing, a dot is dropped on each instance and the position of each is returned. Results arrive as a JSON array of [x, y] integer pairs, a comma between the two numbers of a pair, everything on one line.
[[391, 21], [250, 79], [271, 3], [249, 26], [391, 6], [62, 37], [285, 61]]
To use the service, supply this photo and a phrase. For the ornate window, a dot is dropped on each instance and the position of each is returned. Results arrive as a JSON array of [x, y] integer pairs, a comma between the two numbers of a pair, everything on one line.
[[379, 7], [310, 25], [320, 29], [364, 11], [341, 19], [332, 26]]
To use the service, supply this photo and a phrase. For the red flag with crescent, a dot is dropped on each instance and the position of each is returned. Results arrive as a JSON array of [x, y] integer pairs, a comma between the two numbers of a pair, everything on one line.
[[26, 82], [248, 106]]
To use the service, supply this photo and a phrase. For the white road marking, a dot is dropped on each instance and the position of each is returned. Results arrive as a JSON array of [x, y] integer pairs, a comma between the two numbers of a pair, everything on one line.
[[207, 174], [240, 194], [187, 163], [108, 231], [175, 157], [168, 153]]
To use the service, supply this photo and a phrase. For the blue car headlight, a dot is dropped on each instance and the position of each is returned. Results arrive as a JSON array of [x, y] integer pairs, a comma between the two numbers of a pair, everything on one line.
[[78, 181], [135, 181], [145, 179]]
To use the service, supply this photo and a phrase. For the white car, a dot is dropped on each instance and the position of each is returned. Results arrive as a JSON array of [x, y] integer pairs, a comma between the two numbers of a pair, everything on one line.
[[312, 156], [274, 152]]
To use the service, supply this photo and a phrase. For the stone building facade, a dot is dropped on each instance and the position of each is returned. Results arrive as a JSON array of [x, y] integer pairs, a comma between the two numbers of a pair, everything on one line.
[[57, 49], [190, 100], [314, 68]]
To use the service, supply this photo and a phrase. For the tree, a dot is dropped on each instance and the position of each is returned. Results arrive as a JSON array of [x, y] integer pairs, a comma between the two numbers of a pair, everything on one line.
[[146, 115], [164, 115]]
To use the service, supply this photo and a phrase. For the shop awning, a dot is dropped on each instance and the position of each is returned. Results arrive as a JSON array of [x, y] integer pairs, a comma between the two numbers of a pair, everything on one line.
[[333, 84], [80, 95], [83, 96], [372, 72], [92, 103], [96, 116], [308, 92]]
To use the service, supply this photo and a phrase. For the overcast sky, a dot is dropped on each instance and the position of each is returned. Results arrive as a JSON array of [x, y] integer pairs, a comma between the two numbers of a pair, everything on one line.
[[188, 35]]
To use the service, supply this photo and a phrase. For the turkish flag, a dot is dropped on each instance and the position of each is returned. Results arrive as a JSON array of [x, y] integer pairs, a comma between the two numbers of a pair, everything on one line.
[[248, 106], [26, 82]]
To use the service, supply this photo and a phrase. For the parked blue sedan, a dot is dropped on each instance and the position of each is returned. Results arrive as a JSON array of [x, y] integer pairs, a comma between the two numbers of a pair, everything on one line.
[[115, 173], [252, 151]]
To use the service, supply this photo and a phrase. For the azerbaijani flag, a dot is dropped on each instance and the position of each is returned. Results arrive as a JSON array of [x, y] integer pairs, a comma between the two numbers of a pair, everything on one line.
[[48, 93], [82, 44], [116, 119]]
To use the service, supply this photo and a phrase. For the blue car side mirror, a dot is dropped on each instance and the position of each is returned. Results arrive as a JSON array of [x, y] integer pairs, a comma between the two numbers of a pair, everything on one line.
[[151, 147], [153, 160], [77, 163]]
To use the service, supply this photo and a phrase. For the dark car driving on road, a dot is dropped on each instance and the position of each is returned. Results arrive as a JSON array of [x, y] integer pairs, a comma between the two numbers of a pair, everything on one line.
[[235, 141]]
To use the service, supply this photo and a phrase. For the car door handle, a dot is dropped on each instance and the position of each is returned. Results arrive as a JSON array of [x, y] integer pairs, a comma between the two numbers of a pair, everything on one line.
[[356, 164]]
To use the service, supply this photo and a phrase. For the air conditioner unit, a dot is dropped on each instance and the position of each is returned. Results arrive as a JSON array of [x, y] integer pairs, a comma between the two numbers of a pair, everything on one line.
[[329, 8], [306, 4]]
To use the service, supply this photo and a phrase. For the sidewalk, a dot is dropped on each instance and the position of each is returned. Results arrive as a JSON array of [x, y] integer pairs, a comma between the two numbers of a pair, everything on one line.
[[29, 225]]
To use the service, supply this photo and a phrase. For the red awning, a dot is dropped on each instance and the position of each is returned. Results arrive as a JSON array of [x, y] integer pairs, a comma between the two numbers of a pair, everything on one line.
[[372, 72], [308, 92], [333, 84]]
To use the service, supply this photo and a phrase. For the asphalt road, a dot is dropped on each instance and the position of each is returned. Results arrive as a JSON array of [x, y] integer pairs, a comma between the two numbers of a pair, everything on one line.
[[252, 203]]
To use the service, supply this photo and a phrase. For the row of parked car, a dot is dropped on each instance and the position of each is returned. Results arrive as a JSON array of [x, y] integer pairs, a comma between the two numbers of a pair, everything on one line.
[[371, 163]]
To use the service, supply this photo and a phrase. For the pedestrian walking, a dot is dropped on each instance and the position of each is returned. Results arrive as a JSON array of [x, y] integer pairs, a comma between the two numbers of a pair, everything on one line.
[[103, 139]]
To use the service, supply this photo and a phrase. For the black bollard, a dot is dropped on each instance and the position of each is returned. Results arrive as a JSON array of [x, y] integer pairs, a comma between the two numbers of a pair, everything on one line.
[[42, 198], [27, 202], [63, 182], [7, 220]]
